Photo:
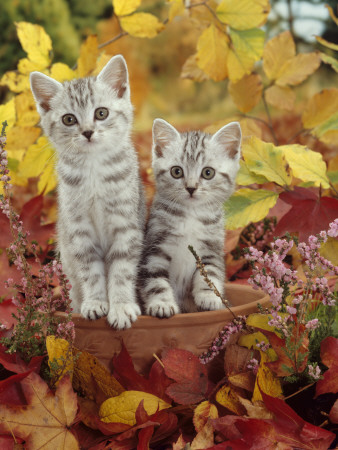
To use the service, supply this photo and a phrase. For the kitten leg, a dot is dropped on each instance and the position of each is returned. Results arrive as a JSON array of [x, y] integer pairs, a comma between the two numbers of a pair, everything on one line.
[[156, 292], [95, 304], [122, 261], [204, 297]]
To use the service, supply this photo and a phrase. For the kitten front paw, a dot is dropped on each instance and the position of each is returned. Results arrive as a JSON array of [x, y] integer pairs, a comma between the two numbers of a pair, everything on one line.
[[162, 308], [94, 309], [122, 315], [208, 301]]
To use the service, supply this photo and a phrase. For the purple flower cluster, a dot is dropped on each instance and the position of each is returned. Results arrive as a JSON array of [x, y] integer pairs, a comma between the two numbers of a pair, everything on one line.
[[222, 339]]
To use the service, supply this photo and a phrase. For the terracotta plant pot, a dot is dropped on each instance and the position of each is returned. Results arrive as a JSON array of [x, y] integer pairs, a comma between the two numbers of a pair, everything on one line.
[[149, 335]]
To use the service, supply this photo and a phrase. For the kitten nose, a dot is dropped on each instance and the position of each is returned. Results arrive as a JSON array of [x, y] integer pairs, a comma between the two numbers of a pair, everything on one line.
[[191, 190], [88, 134]]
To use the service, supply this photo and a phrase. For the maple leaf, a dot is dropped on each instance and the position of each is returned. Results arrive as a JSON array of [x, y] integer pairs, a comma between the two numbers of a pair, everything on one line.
[[309, 214], [190, 375], [329, 357], [124, 371], [47, 417]]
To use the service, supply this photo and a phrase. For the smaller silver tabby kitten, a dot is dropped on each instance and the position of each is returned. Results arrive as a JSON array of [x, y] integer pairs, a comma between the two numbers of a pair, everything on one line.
[[100, 199], [195, 173]]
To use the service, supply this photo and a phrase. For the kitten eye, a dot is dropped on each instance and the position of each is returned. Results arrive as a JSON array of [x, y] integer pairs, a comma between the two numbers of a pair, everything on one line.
[[101, 113], [176, 172], [208, 173], [69, 119]]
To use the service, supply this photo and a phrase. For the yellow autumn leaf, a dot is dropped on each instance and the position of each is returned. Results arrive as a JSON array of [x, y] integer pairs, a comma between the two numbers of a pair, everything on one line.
[[143, 25], [121, 409], [90, 373], [61, 72], [227, 397], [326, 43], [177, 8], [247, 48], [266, 381], [27, 115], [124, 7], [243, 14], [329, 250], [277, 50], [250, 128], [247, 92], [7, 112], [260, 321], [281, 97], [306, 164], [298, 68], [212, 50], [36, 43], [60, 357], [16, 82], [320, 108], [332, 14], [247, 205], [39, 161], [267, 160], [329, 60], [204, 411], [26, 66], [89, 53], [19, 138], [246, 177], [250, 340], [191, 71]]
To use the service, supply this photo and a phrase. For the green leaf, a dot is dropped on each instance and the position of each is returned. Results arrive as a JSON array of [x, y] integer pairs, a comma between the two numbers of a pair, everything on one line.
[[246, 177], [247, 48], [247, 205], [267, 160]]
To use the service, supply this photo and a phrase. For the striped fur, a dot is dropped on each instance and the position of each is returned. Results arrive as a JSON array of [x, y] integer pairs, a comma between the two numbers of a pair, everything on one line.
[[100, 198], [169, 280]]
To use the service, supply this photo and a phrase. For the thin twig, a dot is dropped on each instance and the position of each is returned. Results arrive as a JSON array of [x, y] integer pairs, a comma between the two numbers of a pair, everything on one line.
[[269, 120], [158, 359], [300, 390], [119, 36], [206, 278]]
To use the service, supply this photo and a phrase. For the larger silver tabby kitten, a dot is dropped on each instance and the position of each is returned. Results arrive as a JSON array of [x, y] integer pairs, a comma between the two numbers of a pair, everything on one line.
[[195, 173], [100, 218]]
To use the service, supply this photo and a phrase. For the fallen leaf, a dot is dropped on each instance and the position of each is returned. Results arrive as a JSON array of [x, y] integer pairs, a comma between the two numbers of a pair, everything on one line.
[[227, 397], [333, 416], [126, 374], [122, 408], [329, 357], [89, 372], [204, 438], [60, 355], [266, 381], [190, 375], [31, 217], [202, 413], [46, 419]]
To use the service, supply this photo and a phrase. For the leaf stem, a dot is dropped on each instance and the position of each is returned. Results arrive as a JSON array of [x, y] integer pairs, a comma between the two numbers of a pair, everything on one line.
[[299, 391], [272, 131]]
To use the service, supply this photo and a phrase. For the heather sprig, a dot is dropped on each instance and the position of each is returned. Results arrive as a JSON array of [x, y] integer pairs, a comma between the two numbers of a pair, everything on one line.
[[34, 297]]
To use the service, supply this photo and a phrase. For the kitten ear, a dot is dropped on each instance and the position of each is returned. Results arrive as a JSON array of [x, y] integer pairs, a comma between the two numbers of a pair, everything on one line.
[[44, 89], [163, 134], [115, 75], [229, 138]]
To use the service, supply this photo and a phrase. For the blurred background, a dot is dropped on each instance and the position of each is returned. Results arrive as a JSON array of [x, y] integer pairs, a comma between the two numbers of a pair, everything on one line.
[[155, 64]]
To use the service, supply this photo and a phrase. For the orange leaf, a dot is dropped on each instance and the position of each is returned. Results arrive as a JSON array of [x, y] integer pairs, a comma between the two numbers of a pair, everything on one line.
[[45, 421]]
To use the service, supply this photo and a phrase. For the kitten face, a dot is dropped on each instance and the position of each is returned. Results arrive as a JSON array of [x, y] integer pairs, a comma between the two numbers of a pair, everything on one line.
[[195, 168], [87, 114]]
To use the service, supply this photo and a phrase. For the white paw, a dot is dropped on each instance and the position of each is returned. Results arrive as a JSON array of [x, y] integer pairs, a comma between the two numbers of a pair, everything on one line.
[[94, 309], [208, 301], [122, 315], [162, 308]]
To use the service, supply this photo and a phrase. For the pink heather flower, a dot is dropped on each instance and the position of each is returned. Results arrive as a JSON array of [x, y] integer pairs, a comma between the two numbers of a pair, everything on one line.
[[312, 324], [314, 372], [333, 231], [291, 310], [253, 365], [263, 346]]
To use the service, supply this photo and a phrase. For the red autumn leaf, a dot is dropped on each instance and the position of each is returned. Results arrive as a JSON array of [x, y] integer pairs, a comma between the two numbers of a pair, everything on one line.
[[125, 373], [8, 271], [309, 214], [190, 375], [11, 392], [31, 217], [333, 416], [278, 344], [13, 362], [8, 443], [7, 309], [329, 357], [5, 236]]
